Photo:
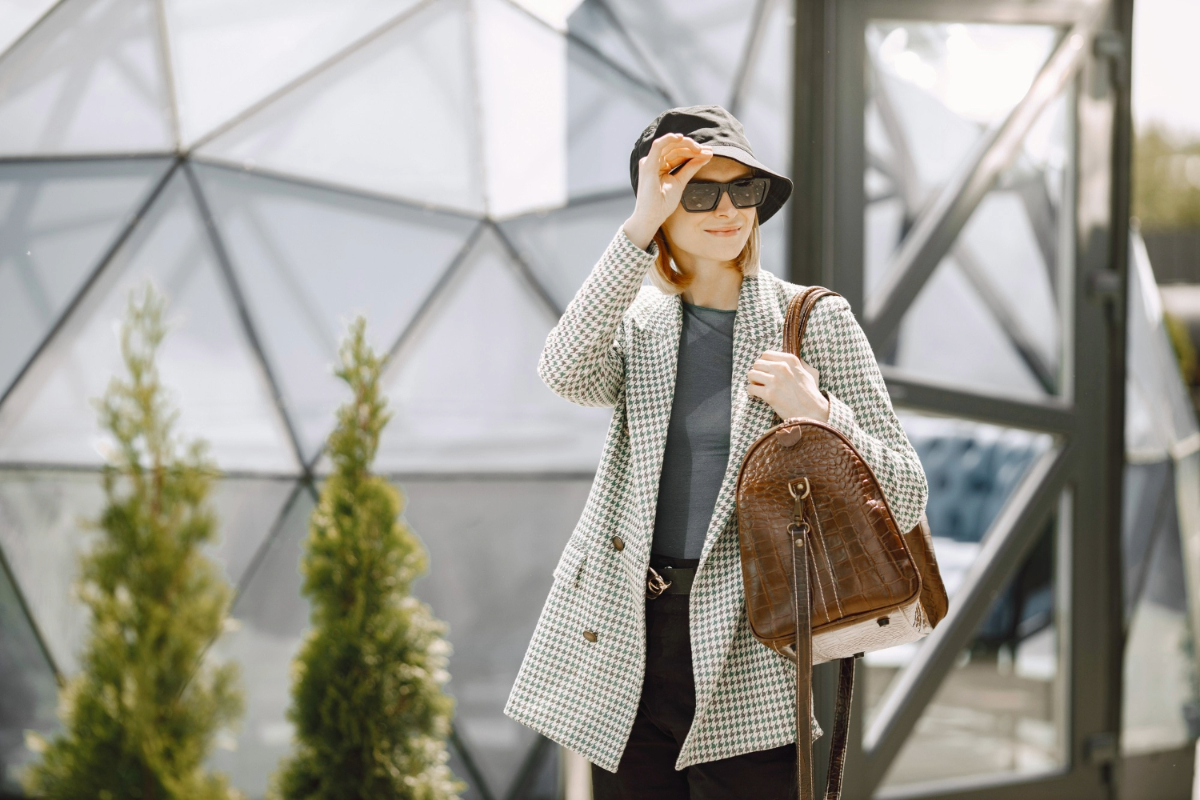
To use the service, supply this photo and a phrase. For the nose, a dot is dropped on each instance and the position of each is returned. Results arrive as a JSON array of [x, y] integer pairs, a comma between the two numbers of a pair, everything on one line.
[[726, 208]]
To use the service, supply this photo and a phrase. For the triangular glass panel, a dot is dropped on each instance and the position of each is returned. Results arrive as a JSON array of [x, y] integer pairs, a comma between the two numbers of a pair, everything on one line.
[[215, 379], [309, 259], [1000, 710], [950, 335], [1160, 705], [592, 24], [333, 128], [492, 547], [562, 247], [477, 785], [226, 56], [553, 13], [88, 79], [270, 618], [972, 469], [547, 776], [495, 413], [696, 47], [30, 689], [59, 220], [998, 321], [765, 102], [248, 509], [607, 112], [42, 535], [19, 16], [522, 67], [937, 87]]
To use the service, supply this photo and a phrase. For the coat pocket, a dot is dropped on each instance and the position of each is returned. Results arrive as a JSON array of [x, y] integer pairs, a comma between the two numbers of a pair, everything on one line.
[[570, 564]]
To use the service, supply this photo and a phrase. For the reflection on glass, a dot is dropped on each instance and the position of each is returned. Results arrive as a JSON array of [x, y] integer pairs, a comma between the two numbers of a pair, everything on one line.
[[58, 219], [1160, 697], [935, 88], [492, 548], [227, 56], [972, 469], [442, 426], [87, 79], [333, 128], [561, 247], [30, 691], [989, 316], [270, 617], [607, 109], [303, 285], [1000, 709], [206, 359], [41, 536]]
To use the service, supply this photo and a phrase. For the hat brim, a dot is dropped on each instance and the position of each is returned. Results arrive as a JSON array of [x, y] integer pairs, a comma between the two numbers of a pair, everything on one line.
[[781, 186]]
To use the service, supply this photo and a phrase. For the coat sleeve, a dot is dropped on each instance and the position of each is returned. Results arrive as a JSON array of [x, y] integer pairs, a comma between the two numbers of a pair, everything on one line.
[[582, 359], [860, 408]]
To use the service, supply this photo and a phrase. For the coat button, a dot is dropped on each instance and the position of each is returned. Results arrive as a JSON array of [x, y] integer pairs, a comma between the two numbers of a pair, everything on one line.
[[590, 636], [618, 543]]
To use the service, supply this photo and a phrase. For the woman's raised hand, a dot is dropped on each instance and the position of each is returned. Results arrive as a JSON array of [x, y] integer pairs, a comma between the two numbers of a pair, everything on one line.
[[658, 190]]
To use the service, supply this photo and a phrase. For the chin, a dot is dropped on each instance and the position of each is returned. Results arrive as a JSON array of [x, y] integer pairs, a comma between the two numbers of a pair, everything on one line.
[[725, 250]]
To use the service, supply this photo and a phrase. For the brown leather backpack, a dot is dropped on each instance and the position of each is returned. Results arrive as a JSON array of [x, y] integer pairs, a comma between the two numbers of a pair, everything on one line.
[[827, 574]]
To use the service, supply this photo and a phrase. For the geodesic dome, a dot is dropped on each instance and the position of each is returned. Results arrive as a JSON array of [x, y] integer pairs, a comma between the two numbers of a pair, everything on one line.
[[452, 169], [449, 168]]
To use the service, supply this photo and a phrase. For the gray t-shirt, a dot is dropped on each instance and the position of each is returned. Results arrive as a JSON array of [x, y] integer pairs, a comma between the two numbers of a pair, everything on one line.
[[697, 449]]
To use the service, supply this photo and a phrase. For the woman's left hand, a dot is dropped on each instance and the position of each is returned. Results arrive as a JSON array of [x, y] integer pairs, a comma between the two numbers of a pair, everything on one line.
[[788, 385]]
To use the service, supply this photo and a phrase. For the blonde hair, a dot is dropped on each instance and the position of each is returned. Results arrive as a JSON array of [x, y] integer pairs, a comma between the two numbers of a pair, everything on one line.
[[669, 280]]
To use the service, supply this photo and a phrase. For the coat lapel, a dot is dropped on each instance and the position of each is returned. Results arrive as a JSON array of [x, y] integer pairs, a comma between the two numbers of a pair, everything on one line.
[[758, 326], [650, 391], [653, 362]]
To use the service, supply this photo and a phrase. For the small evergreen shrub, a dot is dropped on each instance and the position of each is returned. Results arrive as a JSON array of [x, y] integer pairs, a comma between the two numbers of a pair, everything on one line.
[[141, 714], [368, 705]]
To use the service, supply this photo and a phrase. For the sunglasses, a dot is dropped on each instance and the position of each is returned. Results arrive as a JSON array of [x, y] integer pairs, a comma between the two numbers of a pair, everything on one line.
[[705, 195]]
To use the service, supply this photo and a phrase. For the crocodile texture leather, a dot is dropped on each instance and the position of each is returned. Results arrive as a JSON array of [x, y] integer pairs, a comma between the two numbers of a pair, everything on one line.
[[860, 567], [827, 573]]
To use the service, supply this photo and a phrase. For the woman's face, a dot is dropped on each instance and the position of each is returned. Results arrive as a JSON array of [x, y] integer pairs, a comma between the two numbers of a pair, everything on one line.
[[717, 235]]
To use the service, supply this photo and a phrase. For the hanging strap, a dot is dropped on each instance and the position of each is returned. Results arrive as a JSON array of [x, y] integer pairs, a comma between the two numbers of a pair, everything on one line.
[[794, 326], [799, 530]]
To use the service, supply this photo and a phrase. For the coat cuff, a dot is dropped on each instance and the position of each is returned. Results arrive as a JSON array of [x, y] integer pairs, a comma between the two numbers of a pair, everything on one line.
[[626, 248], [841, 416]]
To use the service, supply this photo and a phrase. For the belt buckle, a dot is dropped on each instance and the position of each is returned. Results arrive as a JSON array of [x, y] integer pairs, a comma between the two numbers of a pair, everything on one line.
[[655, 583]]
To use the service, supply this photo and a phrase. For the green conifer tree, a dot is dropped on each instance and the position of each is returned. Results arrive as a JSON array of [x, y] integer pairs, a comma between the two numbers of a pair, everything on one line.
[[141, 714], [370, 712]]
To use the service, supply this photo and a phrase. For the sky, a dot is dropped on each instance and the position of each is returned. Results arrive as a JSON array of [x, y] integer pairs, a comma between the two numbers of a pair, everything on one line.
[[1166, 64]]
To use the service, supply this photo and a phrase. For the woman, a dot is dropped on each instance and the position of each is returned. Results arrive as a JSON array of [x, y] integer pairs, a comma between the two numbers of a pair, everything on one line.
[[642, 660]]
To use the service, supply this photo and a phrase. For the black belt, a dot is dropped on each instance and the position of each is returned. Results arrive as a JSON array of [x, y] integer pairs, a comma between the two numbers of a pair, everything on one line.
[[669, 580]]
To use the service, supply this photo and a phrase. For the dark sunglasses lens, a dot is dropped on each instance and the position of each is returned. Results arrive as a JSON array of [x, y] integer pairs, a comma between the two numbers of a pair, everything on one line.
[[748, 193], [700, 196]]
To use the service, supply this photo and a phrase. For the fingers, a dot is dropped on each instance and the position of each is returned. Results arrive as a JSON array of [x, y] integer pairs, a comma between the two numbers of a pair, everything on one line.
[[691, 157], [671, 148], [668, 139], [759, 377], [694, 165], [777, 355]]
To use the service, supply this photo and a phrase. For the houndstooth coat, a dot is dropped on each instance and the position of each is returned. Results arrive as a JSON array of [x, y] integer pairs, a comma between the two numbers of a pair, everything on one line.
[[616, 345]]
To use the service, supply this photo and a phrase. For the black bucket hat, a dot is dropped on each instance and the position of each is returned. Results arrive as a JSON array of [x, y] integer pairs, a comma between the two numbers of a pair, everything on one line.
[[717, 128]]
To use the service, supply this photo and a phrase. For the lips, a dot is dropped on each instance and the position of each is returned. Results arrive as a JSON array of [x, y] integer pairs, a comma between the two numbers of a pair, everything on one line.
[[722, 231]]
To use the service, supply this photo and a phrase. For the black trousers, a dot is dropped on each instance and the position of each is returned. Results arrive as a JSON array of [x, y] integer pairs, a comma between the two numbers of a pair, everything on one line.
[[664, 715]]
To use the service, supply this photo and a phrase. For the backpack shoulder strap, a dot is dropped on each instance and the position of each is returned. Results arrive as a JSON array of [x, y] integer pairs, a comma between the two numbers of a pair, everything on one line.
[[799, 309]]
